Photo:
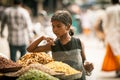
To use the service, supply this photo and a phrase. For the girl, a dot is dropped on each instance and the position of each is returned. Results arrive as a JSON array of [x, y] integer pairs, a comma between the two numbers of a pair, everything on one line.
[[65, 48]]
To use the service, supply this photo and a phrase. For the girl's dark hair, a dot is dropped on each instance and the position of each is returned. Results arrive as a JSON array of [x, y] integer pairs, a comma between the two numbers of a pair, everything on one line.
[[17, 1], [71, 32], [115, 1], [65, 17]]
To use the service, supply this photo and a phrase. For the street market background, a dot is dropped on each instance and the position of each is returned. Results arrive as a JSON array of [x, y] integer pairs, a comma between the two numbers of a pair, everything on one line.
[[41, 10]]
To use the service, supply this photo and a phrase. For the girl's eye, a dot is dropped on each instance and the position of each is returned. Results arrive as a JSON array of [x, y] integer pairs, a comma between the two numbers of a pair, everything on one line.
[[58, 26]]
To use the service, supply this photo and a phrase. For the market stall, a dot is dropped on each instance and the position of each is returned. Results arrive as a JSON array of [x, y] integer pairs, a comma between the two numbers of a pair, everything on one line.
[[36, 66]]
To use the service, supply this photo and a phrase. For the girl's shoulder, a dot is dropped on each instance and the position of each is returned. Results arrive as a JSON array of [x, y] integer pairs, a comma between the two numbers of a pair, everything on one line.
[[76, 39]]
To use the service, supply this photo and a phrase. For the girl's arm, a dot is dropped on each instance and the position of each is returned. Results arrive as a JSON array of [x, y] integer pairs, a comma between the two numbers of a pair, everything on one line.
[[35, 47], [83, 53], [87, 65]]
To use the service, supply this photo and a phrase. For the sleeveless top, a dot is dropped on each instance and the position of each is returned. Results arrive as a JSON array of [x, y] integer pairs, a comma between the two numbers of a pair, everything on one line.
[[69, 53]]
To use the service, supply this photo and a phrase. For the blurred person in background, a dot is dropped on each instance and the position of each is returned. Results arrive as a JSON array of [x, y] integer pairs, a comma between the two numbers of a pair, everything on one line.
[[111, 26], [75, 11], [1, 9], [44, 20], [98, 27], [19, 26], [87, 20]]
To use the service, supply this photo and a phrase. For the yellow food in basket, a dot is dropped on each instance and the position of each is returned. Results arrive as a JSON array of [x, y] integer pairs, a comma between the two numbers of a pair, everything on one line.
[[62, 67], [31, 58]]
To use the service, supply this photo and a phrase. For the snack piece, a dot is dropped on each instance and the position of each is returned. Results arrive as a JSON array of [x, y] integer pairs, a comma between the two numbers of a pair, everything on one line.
[[31, 58], [2, 55]]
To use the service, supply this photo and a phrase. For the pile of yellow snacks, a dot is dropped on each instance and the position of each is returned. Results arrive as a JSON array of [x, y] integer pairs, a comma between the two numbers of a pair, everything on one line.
[[62, 67], [31, 58]]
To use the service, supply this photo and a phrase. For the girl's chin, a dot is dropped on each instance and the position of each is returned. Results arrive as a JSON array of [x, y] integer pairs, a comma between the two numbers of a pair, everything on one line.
[[58, 36]]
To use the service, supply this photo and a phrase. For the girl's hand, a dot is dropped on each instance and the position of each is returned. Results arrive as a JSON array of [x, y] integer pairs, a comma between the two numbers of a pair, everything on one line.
[[88, 66], [50, 41]]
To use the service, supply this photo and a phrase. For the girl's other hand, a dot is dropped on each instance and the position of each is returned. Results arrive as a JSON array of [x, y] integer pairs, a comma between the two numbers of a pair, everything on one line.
[[88, 66]]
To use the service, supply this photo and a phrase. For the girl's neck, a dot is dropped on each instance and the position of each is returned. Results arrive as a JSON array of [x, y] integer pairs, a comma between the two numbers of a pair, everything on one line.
[[65, 38]]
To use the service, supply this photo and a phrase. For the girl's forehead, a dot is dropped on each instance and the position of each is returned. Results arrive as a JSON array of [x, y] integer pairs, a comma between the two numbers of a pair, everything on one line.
[[56, 22]]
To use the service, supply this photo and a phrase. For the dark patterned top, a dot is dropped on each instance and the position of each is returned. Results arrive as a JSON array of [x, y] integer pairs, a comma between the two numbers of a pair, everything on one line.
[[69, 53]]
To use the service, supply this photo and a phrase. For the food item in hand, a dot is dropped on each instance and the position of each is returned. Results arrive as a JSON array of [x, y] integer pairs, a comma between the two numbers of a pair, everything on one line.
[[31, 58], [62, 67], [34, 74]]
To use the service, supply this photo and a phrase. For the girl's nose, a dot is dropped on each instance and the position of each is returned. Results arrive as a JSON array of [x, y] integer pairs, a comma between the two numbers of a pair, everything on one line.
[[54, 29]]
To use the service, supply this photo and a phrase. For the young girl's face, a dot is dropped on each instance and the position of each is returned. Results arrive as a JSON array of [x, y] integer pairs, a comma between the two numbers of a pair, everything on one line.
[[59, 28]]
